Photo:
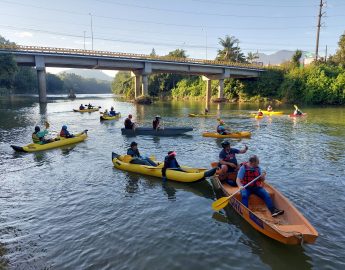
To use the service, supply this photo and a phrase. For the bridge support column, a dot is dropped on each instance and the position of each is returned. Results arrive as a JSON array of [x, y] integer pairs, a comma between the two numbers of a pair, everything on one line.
[[145, 85], [41, 78], [137, 84], [221, 89], [208, 92]]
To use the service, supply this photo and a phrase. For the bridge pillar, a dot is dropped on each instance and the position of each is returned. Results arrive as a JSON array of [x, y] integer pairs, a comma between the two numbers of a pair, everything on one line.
[[145, 85], [41, 78], [208, 92], [221, 89]]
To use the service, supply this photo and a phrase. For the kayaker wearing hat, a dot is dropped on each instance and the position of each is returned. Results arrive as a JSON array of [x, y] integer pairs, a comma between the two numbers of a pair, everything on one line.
[[170, 162], [228, 162], [133, 151], [156, 122], [221, 128], [128, 122], [65, 133], [260, 113], [247, 173]]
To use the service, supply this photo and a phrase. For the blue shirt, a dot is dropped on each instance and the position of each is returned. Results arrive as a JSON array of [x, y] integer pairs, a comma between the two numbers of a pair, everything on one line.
[[229, 156], [242, 171]]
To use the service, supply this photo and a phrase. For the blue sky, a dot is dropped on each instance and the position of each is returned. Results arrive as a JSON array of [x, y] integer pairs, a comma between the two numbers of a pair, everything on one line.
[[139, 25]]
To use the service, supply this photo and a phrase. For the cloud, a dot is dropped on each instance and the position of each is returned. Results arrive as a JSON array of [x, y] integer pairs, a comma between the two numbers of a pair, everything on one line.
[[24, 34]]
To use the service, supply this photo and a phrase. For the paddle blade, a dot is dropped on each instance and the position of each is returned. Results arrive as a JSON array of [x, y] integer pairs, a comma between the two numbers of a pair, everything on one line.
[[220, 203]]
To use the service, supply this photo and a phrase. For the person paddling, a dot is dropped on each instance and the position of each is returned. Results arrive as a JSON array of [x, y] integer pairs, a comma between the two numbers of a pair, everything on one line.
[[133, 151], [112, 112], [156, 122], [170, 162], [221, 129], [297, 111], [89, 106], [128, 122], [81, 107], [269, 108], [247, 173], [38, 136], [228, 162]]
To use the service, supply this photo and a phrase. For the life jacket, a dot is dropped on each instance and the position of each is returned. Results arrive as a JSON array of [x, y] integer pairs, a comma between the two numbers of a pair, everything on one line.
[[62, 133], [219, 129], [260, 113], [250, 175], [35, 138]]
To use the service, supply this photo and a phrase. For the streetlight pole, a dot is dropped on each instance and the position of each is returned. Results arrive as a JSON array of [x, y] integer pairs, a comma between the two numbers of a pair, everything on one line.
[[204, 29], [91, 31], [84, 39]]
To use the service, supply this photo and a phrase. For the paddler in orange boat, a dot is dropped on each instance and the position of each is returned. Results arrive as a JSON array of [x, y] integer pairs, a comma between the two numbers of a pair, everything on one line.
[[247, 173], [228, 163], [260, 113]]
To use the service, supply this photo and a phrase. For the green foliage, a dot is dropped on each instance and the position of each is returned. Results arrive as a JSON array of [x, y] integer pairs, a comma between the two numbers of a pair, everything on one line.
[[123, 84], [25, 81], [339, 57], [296, 58], [8, 69], [178, 53], [230, 51], [55, 85]]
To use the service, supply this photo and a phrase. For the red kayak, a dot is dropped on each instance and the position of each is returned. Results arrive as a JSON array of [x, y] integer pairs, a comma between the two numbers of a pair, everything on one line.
[[297, 115]]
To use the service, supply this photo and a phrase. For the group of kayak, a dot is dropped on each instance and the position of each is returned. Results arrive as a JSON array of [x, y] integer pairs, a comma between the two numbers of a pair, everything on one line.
[[261, 113]]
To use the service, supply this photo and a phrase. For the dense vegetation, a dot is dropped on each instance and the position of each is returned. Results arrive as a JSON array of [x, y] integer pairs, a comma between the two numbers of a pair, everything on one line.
[[23, 80], [322, 82]]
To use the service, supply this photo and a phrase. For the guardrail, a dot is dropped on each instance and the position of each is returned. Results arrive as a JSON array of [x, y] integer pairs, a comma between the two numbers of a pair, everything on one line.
[[33, 49]]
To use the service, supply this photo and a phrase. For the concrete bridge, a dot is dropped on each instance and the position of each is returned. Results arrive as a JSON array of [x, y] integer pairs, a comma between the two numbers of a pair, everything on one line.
[[141, 66]]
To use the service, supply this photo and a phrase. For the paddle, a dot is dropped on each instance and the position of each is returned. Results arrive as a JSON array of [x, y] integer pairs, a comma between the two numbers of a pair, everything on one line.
[[224, 201]]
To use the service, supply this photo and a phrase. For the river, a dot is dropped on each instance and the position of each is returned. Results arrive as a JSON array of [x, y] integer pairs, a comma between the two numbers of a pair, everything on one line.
[[70, 209]]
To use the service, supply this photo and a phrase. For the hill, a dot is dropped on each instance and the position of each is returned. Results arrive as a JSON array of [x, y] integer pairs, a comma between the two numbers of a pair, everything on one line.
[[89, 74]]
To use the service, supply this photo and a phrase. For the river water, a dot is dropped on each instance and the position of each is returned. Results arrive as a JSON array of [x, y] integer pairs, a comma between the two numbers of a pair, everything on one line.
[[70, 209]]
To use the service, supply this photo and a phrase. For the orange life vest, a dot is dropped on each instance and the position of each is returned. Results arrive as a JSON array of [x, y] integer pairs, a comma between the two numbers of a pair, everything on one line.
[[250, 174]]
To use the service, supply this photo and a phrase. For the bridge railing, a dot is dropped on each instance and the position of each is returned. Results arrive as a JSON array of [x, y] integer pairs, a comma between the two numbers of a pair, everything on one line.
[[33, 49]]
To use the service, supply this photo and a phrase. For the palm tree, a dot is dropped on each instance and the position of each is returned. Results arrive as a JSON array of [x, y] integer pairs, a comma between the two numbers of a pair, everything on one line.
[[252, 56], [231, 51]]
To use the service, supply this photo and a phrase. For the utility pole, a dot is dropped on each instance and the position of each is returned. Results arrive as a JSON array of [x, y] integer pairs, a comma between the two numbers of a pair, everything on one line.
[[84, 39], [91, 31], [326, 54], [318, 30]]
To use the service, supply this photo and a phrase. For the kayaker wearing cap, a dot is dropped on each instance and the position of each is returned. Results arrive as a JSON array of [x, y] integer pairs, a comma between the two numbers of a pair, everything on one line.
[[81, 107], [260, 113], [65, 133], [228, 162], [247, 173], [221, 128], [128, 122], [38, 135], [156, 122], [269, 108], [133, 151], [170, 162]]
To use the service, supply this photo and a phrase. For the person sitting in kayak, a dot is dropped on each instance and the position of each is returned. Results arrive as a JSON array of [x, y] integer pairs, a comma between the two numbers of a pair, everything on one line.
[[297, 112], [65, 133], [269, 108], [260, 113], [247, 173], [128, 122], [170, 162], [228, 162], [38, 136], [112, 112], [133, 151], [89, 106], [106, 113], [81, 107], [156, 122], [221, 128]]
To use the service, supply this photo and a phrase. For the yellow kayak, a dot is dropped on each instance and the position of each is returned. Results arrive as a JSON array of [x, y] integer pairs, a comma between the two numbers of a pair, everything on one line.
[[86, 110], [34, 147], [201, 115], [188, 175], [107, 117], [241, 134], [271, 113], [259, 116]]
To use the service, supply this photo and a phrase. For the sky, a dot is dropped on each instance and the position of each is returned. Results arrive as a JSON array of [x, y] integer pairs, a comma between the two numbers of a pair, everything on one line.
[[137, 26]]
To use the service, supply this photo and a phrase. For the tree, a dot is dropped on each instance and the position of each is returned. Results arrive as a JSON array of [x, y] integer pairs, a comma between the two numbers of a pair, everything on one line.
[[178, 53], [252, 56], [296, 58], [153, 53], [339, 57], [54, 84], [230, 51], [8, 68]]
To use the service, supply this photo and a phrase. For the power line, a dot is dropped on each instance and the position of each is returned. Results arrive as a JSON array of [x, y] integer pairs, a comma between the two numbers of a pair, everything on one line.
[[251, 5]]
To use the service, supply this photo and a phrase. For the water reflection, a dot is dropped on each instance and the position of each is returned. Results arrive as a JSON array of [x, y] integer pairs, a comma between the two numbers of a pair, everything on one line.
[[290, 257]]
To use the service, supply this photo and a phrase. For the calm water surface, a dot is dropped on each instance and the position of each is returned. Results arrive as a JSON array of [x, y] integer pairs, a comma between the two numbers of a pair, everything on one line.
[[70, 209]]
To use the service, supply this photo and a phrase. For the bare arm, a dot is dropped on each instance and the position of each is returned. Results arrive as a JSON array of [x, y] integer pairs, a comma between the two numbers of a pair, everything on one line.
[[222, 162]]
